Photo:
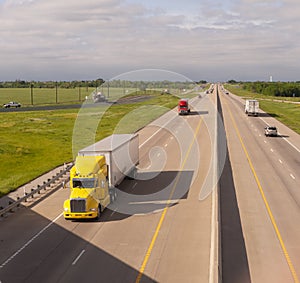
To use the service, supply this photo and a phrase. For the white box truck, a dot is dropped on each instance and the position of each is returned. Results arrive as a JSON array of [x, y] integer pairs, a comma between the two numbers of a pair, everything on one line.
[[251, 107], [121, 152]]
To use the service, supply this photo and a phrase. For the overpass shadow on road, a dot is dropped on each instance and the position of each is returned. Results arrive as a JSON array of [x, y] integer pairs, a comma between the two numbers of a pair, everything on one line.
[[34, 250], [150, 192]]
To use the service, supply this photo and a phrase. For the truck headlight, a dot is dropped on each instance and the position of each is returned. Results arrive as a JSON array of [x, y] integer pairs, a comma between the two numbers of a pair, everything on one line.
[[93, 209], [66, 209]]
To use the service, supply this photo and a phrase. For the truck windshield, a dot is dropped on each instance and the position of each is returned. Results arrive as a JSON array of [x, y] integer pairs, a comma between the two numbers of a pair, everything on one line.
[[84, 183]]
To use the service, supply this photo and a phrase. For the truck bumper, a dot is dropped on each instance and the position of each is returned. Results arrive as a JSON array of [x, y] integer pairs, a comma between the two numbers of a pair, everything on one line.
[[183, 112], [81, 215]]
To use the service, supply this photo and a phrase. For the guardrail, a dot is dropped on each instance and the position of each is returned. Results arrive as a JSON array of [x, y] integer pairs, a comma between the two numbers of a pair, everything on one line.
[[14, 204]]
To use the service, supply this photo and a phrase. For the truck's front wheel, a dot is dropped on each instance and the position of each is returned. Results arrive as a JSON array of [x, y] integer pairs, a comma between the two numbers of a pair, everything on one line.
[[99, 212]]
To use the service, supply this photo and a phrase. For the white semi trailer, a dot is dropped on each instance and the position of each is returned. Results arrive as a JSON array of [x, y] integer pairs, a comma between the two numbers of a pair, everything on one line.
[[121, 152]]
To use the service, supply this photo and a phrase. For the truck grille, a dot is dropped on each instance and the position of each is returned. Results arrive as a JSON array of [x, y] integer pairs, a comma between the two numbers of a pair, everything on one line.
[[78, 205]]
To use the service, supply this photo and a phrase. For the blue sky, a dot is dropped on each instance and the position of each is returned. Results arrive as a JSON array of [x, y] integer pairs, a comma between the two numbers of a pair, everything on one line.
[[204, 39]]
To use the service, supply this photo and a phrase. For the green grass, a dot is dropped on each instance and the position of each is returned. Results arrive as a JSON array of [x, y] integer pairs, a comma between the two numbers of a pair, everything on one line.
[[42, 96], [33, 143], [287, 113], [236, 89]]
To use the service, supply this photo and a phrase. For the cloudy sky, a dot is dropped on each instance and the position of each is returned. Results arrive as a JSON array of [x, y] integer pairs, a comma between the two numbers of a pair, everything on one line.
[[200, 39]]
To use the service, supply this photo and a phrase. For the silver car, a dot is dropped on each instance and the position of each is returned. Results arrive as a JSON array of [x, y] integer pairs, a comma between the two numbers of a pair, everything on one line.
[[12, 104], [270, 131]]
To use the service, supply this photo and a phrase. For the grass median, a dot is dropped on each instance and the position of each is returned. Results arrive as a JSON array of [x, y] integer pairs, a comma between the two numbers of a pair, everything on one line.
[[33, 143]]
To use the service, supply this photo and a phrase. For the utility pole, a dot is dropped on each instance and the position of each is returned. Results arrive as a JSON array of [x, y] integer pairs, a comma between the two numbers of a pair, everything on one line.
[[56, 92], [31, 93]]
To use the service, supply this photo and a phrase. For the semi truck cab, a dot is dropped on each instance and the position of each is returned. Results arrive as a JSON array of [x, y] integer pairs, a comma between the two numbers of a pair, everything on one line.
[[183, 107], [89, 194]]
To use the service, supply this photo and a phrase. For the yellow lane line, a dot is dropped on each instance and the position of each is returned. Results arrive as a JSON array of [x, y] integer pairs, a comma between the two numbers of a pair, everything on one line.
[[287, 257], [154, 237]]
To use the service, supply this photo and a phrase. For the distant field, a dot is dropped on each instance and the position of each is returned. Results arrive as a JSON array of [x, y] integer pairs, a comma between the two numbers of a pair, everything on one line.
[[287, 113], [42, 96], [33, 143]]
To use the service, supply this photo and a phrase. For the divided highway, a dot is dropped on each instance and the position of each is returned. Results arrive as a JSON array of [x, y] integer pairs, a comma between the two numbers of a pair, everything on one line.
[[172, 224], [168, 237], [266, 184]]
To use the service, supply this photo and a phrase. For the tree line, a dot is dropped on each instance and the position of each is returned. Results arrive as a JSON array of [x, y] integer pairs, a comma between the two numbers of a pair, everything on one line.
[[100, 82], [285, 89], [51, 84]]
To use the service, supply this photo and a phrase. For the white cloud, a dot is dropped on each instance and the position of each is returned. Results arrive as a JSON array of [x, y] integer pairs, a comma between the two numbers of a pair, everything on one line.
[[75, 39]]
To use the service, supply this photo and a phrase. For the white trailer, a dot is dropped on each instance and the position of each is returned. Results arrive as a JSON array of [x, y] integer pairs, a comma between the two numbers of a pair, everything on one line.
[[251, 107], [121, 152]]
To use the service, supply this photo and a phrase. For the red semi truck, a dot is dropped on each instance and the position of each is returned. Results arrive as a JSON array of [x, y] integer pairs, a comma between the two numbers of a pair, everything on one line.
[[183, 106]]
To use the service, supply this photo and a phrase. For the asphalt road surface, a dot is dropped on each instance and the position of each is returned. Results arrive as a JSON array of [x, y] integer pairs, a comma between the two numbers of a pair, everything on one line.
[[266, 180], [159, 230], [172, 224]]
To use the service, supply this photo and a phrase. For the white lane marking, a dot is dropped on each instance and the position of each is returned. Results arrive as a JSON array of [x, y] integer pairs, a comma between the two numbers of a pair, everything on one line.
[[272, 150], [114, 211], [293, 177], [166, 145], [172, 138], [78, 257], [265, 141], [172, 201], [30, 241], [214, 226], [290, 143], [295, 147], [158, 155], [212, 237], [260, 135], [280, 161], [162, 127]]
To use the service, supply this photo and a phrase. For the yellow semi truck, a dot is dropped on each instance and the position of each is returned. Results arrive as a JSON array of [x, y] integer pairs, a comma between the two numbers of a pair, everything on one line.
[[97, 172]]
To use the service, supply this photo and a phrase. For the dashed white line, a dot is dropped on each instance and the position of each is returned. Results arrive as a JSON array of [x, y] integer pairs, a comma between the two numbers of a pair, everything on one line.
[[272, 150], [295, 147], [292, 176], [265, 141], [166, 145], [30, 241], [162, 127], [114, 211], [78, 257], [280, 161]]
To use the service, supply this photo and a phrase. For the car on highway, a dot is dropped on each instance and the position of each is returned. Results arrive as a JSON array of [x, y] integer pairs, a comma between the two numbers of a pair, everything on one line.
[[12, 104], [270, 131]]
